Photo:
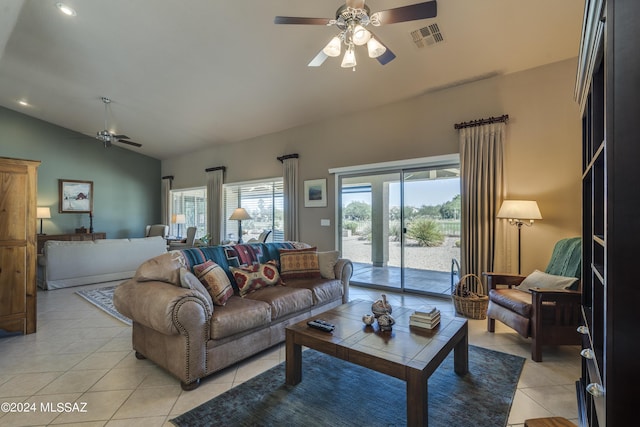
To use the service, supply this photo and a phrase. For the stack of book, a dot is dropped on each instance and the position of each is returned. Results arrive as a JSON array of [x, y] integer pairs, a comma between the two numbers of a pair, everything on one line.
[[425, 317]]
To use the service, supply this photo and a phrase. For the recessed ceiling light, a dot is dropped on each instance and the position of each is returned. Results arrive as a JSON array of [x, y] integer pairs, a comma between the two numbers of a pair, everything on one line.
[[67, 10], [23, 103]]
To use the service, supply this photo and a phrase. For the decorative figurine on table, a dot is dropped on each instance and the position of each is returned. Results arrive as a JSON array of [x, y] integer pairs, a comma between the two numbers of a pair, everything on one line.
[[386, 322], [368, 319], [381, 307]]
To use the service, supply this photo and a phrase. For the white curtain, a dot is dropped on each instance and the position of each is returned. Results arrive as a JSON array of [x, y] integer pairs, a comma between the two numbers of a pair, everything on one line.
[[166, 200], [290, 189], [215, 181], [482, 182]]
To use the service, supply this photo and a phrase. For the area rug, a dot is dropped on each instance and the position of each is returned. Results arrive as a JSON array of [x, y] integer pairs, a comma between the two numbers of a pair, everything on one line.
[[337, 393], [103, 299]]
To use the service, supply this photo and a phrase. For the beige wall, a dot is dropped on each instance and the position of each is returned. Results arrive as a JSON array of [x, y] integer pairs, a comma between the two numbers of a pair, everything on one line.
[[542, 153]]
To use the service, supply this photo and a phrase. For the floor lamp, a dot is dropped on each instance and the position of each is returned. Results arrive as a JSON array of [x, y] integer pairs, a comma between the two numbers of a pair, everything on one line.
[[240, 215], [517, 212]]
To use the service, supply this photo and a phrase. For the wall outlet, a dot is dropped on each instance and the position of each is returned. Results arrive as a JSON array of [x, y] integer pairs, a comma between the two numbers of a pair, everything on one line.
[[325, 222]]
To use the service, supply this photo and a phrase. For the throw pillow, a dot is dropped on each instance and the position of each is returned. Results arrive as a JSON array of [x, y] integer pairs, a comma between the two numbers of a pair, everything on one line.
[[299, 264], [326, 261], [254, 277], [215, 280], [189, 281], [163, 268], [539, 279]]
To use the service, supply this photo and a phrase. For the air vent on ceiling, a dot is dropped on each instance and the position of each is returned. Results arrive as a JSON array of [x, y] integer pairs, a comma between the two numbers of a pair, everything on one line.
[[427, 36]]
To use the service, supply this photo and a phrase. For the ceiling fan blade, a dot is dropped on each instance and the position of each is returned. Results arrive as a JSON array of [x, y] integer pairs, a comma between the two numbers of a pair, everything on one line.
[[298, 20], [135, 144], [318, 60], [408, 13], [120, 136], [386, 57], [356, 4]]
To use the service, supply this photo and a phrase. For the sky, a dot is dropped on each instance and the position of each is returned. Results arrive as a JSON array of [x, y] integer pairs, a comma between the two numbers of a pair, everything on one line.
[[417, 193]]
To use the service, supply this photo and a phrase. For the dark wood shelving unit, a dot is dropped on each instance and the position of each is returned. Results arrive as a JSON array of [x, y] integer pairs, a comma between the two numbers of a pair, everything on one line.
[[608, 91]]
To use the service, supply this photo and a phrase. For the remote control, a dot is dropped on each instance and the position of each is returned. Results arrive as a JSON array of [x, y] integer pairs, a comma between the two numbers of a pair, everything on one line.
[[321, 325], [323, 322]]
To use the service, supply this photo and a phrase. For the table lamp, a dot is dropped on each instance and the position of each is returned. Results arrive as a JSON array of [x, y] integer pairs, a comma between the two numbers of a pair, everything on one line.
[[42, 213], [178, 219]]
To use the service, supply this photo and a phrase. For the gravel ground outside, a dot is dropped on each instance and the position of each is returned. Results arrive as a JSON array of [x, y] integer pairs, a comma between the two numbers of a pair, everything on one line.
[[434, 258]]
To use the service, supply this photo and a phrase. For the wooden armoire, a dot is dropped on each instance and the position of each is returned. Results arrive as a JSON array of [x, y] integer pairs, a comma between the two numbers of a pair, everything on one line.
[[18, 199]]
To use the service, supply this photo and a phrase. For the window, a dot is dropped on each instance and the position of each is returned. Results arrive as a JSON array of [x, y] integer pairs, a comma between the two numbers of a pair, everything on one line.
[[192, 203], [264, 201]]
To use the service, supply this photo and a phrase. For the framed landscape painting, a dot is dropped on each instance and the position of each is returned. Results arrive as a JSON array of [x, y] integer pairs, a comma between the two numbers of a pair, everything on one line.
[[315, 193], [75, 196]]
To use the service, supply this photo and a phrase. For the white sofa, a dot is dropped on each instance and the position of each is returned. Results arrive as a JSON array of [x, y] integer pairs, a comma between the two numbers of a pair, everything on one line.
[[67, 264]]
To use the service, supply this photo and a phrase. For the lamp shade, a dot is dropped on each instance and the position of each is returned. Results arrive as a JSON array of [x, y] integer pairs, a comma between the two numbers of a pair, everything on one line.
[[44, 212], [360, 35], [375, 48], [240, 214], [349, 59], [333, 47], [519, 209], [178, 218]]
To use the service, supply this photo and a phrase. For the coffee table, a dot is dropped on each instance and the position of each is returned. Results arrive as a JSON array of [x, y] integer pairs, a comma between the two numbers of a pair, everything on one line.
[[406, 352]]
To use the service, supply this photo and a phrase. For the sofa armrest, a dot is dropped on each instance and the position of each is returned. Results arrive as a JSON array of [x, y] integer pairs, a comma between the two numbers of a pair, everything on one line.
[[161, 306], [495, 279], [343, 270]]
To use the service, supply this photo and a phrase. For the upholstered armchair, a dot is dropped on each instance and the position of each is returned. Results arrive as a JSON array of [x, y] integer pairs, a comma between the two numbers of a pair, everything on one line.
[[161, 230], [187, 243], [544, 306], [262, 238]]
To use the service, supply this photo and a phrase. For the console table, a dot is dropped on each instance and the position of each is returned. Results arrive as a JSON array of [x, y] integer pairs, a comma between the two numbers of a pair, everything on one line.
[[42, 238]]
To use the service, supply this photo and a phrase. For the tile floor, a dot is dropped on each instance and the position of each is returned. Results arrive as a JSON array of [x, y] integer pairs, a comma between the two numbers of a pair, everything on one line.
[[81, 354]]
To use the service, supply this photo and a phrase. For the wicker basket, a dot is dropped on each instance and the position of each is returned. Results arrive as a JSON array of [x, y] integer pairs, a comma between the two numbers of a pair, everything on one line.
[[469, 298]]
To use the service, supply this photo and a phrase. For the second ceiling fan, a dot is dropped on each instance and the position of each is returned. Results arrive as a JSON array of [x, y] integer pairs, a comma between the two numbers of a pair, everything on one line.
[[352, 20], [106, 136]]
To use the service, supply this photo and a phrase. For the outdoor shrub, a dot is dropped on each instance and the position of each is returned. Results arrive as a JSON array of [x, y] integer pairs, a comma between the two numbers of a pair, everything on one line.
[[350, 225], [395, 231], [426, 232], [365, 233]]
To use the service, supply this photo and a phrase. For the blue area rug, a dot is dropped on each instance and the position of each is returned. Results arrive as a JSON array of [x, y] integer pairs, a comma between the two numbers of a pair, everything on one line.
[[103, 299], [337, 393]]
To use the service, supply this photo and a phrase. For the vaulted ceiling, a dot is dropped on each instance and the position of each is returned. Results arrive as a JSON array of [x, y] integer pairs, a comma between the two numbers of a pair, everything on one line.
[[186, 75]]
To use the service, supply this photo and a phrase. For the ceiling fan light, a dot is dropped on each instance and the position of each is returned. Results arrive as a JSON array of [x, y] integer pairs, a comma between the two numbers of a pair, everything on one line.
[[360, 35], [349, 59], [375, 48], [333, 47]]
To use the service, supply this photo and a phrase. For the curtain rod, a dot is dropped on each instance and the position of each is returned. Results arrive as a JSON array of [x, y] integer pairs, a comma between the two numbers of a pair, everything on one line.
[[168, 177], [502, 119], [216, 168], [288, 156]]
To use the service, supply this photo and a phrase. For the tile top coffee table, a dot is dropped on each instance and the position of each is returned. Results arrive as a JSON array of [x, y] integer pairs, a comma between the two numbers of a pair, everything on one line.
[[408, 353]]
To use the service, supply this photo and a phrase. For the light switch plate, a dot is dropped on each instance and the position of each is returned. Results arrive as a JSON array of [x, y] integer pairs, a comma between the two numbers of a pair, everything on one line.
[[325, 222]]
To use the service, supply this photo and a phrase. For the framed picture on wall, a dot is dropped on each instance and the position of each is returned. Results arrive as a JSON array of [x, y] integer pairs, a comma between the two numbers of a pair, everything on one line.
[[315, 193], [75, 196]]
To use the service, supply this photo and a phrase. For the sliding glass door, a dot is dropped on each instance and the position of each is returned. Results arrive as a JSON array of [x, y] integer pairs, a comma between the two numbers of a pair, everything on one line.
[[370, 228], [431, 225], [401, 228]]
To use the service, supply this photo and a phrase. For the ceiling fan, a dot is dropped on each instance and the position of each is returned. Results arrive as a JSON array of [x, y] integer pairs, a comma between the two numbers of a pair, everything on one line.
[[352, 18], [107, 137]]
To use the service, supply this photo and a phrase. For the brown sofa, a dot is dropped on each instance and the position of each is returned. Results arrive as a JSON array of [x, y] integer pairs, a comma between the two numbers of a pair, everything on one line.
[[182, 330]]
